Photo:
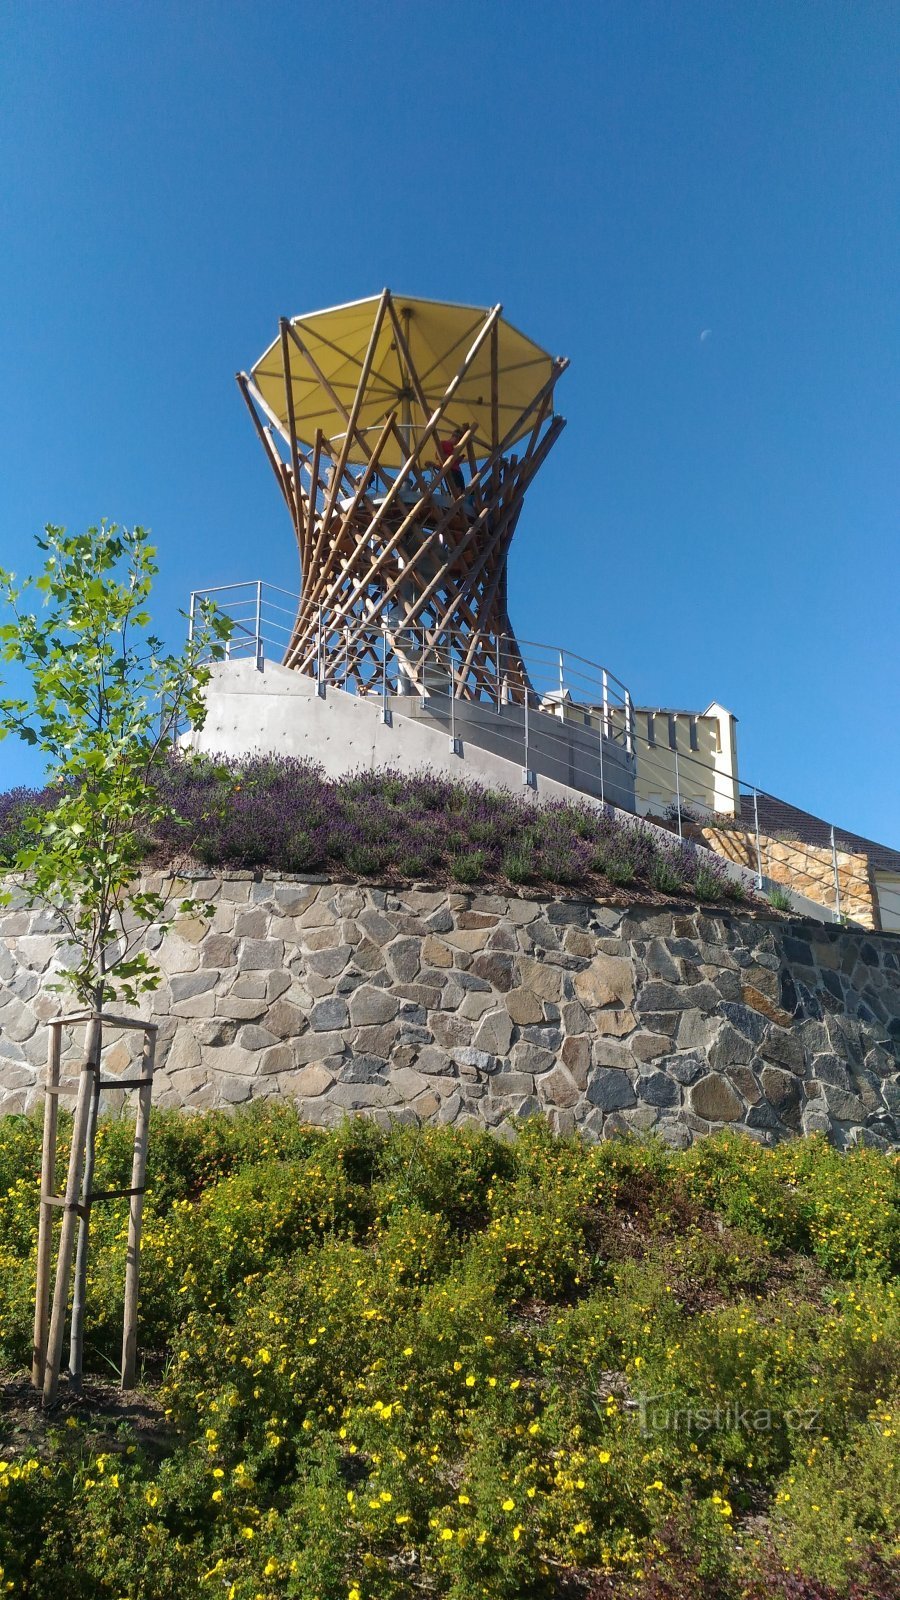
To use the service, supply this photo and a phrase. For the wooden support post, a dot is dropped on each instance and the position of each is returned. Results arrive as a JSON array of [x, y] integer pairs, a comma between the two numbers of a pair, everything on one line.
[[136, 1212], [90, 1068], [45, 1226], [79, 1290]]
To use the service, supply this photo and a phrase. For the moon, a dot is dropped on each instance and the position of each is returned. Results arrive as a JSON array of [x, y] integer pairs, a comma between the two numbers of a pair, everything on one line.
[[706, 334]]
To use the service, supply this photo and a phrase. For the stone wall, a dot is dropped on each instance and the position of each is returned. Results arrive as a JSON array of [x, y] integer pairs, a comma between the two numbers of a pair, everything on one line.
[[454, 1007], [806, 868]]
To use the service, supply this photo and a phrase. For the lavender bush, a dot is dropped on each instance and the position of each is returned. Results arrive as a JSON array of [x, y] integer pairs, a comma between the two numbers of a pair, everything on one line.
[[16, 807], [284, 814]]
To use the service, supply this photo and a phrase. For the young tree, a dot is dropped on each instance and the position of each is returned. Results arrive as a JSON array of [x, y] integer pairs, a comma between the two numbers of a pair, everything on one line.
[[104, 707]]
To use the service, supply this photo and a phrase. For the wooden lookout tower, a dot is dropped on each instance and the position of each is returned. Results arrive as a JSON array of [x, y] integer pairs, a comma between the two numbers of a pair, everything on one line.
[[403, 434]]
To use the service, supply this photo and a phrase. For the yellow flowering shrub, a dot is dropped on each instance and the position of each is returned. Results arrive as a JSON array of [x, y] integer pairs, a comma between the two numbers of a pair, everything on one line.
[[426, 1364]]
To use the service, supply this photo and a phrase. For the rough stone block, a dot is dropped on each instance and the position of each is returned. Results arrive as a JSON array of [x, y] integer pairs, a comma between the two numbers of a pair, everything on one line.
[[371, 1005], [436, 953], [576, 1055], [524, 1007], [328, 1014], [608, 981], [714, 1099], [315, 1047], [615, 1024], [782, 1090], [494, 1033], [648, 1046], [558, 1088], [511, 1083], [683, 1068], [256, 955], [611, 1053], [750, 1023], [610, 1089], [658, 1089], [185, 986]]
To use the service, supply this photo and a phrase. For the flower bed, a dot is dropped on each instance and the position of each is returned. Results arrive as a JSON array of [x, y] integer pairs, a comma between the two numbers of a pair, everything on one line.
[[284, 814]]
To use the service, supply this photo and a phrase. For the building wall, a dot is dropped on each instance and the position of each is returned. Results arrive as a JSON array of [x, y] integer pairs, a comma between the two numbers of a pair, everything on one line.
[[707, 776], [452, 1007]]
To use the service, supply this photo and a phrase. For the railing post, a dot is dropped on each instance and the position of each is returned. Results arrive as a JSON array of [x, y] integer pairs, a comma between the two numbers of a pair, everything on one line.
[[837, 881], [562, 680], [385, 710], [677, 778], [527, 773], [605, 708], [497, 670], [629, 724], [759, 870], [320, 656], [424, 694], [346, 658], [191, 610], [260, 653], [454, 743]]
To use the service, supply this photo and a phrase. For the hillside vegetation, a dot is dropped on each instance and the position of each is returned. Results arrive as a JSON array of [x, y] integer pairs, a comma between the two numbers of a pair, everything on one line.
[[286, 815], [427, 1363]]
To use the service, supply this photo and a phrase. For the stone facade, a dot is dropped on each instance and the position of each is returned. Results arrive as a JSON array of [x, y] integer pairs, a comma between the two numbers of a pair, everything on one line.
[[806, 868], [452, 1007]]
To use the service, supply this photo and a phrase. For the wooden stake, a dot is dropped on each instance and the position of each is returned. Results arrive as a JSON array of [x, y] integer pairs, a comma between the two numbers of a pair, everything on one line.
[[90, 1068], [136, 1213], [79, 1290], [45, 1226]]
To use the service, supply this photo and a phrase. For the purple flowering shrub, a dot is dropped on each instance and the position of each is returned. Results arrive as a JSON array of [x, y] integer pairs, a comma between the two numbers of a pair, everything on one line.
[[16, 807], [284, 814]]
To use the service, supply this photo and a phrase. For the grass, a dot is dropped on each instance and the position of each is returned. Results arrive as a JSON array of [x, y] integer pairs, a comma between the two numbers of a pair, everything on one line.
[[427, 1363]]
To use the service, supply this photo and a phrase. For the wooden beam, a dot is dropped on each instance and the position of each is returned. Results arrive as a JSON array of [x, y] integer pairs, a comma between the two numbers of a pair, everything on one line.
[[413, 516], [357, 402], [412, 374], [338, 404], [292, 424], [275, 461]]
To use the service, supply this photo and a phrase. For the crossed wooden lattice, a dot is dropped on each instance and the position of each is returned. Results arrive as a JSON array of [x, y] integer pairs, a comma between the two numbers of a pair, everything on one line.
[[403, 541]]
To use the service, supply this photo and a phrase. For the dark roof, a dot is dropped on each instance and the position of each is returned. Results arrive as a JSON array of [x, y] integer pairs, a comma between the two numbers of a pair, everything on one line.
[[776, 816]]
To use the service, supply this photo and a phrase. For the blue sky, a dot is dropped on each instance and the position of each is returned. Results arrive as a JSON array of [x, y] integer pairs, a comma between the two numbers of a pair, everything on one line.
[[719, 519]]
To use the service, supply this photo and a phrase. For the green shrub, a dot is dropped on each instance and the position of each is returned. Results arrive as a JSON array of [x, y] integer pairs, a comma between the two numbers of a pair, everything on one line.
[[426, 1362], [469, 867]]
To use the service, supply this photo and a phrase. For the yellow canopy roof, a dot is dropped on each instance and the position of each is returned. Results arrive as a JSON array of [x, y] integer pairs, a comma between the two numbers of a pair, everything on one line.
[[438, 337]]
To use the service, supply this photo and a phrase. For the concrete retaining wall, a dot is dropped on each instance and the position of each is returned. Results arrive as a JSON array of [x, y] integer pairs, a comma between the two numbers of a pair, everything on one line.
[[276, 711], [448, 1007]]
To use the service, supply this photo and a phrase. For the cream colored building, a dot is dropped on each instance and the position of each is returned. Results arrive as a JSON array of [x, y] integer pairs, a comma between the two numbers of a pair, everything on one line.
[[687, 755]]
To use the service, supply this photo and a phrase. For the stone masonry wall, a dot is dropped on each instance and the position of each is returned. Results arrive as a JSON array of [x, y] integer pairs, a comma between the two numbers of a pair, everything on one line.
[[806, 868], [453, 1007]]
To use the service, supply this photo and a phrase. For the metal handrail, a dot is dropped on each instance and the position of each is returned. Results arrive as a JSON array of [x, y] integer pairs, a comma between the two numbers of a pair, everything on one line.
[[560, 685]]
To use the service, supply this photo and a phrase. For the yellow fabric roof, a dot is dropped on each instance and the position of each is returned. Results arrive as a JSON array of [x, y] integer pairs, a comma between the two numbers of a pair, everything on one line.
[[439, 336]]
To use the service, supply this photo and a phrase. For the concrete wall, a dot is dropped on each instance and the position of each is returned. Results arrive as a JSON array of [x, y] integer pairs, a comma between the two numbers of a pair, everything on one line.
[[569, 753], [887, 893], [447, 1007], [280, 712]]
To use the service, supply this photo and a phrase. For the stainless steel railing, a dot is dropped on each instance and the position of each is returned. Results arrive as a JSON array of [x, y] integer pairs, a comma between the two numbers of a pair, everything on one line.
[[550, 702]]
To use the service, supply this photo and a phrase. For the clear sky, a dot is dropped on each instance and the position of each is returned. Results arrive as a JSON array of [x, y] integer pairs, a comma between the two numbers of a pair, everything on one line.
[[719, 519]]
